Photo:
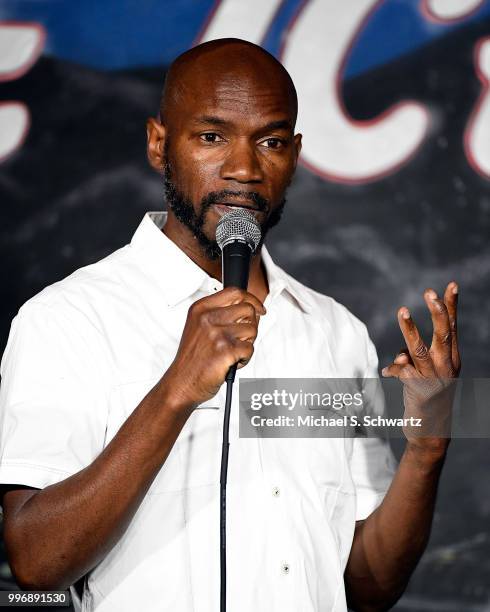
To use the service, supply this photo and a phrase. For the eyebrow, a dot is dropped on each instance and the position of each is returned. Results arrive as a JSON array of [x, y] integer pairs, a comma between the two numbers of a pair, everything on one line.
[[281, 124], [211, 119]]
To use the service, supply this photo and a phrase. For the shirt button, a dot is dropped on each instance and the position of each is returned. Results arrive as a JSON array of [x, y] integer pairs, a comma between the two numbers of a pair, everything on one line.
[[285, 568], [276, 491]]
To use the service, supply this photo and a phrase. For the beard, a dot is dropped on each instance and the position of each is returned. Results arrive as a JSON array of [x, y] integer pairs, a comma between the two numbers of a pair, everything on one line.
[[184, 211]]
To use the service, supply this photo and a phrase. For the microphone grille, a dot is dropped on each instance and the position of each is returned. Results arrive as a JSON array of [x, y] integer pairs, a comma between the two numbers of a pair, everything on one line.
[[238, 224]]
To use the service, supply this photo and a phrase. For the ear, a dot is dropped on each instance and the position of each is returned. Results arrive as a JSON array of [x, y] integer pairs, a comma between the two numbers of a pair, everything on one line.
[[156, 134], [297, 146]]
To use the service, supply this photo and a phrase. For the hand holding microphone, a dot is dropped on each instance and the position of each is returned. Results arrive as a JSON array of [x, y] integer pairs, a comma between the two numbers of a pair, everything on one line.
[[221, 328]]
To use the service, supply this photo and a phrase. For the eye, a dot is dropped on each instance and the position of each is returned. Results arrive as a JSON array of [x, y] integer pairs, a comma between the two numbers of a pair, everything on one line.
[[273, 143], [210, 137]]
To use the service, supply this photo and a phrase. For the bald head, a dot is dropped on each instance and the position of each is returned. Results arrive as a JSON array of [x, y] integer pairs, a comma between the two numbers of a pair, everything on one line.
[[228, 62]]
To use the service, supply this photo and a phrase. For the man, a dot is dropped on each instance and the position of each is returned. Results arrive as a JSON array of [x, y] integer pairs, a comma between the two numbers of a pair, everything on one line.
[[113, 393]]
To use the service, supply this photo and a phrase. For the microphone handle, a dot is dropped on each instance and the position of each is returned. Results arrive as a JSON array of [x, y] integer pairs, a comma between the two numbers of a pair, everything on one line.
[[235, 271]]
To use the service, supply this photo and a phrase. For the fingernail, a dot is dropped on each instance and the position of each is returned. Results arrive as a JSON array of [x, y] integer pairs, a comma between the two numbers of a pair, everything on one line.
[[455, 289], [406, 314], [384, 371], [432, 294]]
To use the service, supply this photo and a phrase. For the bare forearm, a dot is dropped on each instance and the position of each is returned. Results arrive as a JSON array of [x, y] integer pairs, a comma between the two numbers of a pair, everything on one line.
[[61, 532], [389, 543]]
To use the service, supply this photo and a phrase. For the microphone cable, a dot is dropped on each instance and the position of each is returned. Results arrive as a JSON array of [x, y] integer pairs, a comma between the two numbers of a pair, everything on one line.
[[230, 377]]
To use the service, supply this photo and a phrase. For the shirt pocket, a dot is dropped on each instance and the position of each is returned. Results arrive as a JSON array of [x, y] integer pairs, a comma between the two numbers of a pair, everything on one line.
[[124, 400], [199, 444]]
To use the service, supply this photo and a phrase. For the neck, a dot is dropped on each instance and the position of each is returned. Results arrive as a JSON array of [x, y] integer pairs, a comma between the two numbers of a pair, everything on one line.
[[188, 243]]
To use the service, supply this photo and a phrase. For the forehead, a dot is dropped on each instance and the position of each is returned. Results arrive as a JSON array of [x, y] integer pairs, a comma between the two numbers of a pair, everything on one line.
[[242, 96]]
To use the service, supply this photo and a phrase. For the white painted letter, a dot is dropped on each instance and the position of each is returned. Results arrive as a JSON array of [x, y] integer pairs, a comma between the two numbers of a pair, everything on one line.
[[477, 133], [20, 46], [335, 146]]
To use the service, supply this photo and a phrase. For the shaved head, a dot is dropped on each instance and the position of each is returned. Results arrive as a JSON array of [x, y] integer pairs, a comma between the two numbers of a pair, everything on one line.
[[226, 59]]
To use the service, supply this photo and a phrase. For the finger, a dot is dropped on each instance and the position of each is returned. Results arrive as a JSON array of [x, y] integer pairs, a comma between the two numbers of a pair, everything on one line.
[[440, 348], [392, 371], [402, 358], [228, 297], [417, 349], [242, 353], [401, 371], [245, 311], [232, 295], [244, 332], [451, 301]]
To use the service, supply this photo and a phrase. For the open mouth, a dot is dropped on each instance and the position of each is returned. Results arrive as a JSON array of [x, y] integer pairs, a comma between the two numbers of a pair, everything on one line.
[[224, 207]]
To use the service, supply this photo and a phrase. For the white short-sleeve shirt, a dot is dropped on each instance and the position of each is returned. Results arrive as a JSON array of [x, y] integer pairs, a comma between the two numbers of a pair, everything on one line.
[[84, 352]]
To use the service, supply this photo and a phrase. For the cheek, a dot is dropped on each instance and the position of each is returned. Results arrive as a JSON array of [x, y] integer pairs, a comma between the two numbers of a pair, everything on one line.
[[280, 173], [195, 174]]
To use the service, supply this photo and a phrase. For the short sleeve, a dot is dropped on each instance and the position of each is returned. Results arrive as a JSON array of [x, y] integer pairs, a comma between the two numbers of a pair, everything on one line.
[[372, 462], [53, 405]]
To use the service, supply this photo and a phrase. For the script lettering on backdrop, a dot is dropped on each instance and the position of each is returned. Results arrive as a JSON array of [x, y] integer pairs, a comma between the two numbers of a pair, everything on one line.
[[20, 46], [320, 37], [477, 134], [444, 11]]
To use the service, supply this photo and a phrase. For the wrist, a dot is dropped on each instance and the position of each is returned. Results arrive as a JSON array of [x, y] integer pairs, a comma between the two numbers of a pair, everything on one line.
[[172, 401], [427, 454]]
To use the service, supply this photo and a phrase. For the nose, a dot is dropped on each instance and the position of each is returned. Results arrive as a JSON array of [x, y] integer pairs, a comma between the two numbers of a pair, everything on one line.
[[242, 164]]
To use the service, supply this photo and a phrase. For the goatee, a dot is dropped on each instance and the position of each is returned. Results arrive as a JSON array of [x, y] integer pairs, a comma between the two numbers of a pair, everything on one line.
[[183, 209]]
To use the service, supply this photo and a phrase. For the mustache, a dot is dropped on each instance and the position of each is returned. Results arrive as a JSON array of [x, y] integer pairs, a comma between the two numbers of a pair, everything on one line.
[[214, 197]]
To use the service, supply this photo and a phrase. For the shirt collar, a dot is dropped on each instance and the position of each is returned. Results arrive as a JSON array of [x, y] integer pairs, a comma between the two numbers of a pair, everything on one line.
[[180, 277]]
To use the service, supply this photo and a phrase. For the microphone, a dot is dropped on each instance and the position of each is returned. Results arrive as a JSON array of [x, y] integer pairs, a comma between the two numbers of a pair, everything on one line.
[[238, 235]]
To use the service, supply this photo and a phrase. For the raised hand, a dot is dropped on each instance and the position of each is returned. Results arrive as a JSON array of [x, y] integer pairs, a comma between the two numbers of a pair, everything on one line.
[[428, 373]]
